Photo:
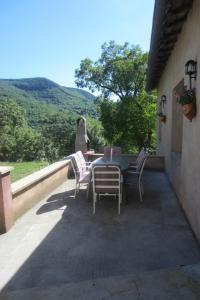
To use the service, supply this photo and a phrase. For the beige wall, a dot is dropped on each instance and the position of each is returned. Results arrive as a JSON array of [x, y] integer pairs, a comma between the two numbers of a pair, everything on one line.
[[183, 169]]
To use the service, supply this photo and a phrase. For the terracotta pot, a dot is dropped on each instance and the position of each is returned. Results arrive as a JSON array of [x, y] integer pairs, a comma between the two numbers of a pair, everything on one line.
[[189, 110], [163, 119]]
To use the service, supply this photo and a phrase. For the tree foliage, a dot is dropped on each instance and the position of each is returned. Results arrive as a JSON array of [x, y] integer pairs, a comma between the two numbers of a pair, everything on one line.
[[17, 140], [52, 140], [128, 121], [95, 134], [59, 130], [120, 70]]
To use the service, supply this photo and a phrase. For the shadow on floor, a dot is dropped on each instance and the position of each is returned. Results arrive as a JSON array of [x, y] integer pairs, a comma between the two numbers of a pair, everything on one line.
[[56, 201]]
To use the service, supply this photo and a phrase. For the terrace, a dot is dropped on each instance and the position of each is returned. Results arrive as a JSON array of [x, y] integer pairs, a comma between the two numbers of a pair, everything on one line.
[[60, 250]]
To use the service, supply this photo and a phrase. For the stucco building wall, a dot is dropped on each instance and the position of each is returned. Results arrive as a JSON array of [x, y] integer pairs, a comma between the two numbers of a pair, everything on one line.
[[183, 167]]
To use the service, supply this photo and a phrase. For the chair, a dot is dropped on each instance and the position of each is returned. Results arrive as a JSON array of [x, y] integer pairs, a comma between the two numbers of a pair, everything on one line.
[[116, 151], [133, 165], [107, 180], [134, 177], [85, 165], [82, 175]]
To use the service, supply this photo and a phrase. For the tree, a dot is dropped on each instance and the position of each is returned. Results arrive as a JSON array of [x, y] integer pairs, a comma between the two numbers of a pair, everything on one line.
[[60, 132], [17, 140], [120, 71], [129, 121], [95, 134], [136, 122]]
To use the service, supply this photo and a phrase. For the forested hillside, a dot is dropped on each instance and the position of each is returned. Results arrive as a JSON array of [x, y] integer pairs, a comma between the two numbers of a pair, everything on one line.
[[41, 97], [37, 118]]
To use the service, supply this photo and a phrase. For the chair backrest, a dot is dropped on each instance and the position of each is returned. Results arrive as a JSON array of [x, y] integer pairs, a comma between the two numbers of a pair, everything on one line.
[[81, 160], [140, 156], [106, 179], [140, 166], [116, 151], [76, 165]]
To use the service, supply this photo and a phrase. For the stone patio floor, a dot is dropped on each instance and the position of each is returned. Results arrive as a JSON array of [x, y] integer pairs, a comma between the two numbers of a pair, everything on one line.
[[59, 250]]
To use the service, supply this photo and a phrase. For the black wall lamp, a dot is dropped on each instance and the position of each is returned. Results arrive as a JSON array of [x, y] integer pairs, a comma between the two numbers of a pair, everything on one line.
[[191, 70], [163, 100]]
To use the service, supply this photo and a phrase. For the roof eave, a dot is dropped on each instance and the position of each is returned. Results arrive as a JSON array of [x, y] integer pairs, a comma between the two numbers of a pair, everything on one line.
[[168, 20]]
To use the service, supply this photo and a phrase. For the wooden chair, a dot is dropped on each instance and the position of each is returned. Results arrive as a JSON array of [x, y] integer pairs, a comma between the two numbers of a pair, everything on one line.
[[107, 180], [134, 177]]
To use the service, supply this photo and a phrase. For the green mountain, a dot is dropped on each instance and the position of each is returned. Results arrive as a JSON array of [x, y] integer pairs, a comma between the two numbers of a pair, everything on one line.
[[41, 98]]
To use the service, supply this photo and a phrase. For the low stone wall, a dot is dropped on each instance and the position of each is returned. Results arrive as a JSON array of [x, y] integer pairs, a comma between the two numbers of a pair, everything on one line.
[[18, 197], [155, 162], [33, 188], [6, 207]]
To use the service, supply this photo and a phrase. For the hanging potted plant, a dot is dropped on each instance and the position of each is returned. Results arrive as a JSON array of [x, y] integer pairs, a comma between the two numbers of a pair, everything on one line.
[[162, 117], [188, 102]]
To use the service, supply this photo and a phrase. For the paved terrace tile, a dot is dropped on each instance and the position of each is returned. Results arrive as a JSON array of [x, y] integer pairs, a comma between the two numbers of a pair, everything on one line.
[[59, 247]]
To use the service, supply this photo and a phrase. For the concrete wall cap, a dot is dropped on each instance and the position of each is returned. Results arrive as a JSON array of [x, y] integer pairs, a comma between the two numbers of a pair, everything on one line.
[[33, 178], [5, 169]]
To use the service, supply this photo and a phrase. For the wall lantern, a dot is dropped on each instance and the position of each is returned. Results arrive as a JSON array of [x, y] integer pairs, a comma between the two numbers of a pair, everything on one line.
[[160, 113], [191, 70], [163, 100]]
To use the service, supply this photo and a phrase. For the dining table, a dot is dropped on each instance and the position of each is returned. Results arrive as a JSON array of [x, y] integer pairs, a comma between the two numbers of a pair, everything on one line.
[[120, 160]]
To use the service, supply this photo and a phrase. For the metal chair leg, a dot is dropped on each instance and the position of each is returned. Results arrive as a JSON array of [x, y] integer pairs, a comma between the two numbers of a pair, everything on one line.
[[88, 191], [76, 189], [119, 203], [140, 190], [94, 202]]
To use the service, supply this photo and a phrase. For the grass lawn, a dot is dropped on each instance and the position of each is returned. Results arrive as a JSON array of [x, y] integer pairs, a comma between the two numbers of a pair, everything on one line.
[[22, 169]]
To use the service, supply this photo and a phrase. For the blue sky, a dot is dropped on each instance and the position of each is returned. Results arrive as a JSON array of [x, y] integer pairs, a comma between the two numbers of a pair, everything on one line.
[[49, 38]]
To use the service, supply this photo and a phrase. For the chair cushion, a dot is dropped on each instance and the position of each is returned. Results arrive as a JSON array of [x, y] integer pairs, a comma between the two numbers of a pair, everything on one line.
[[82, 161], [85, 177]]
